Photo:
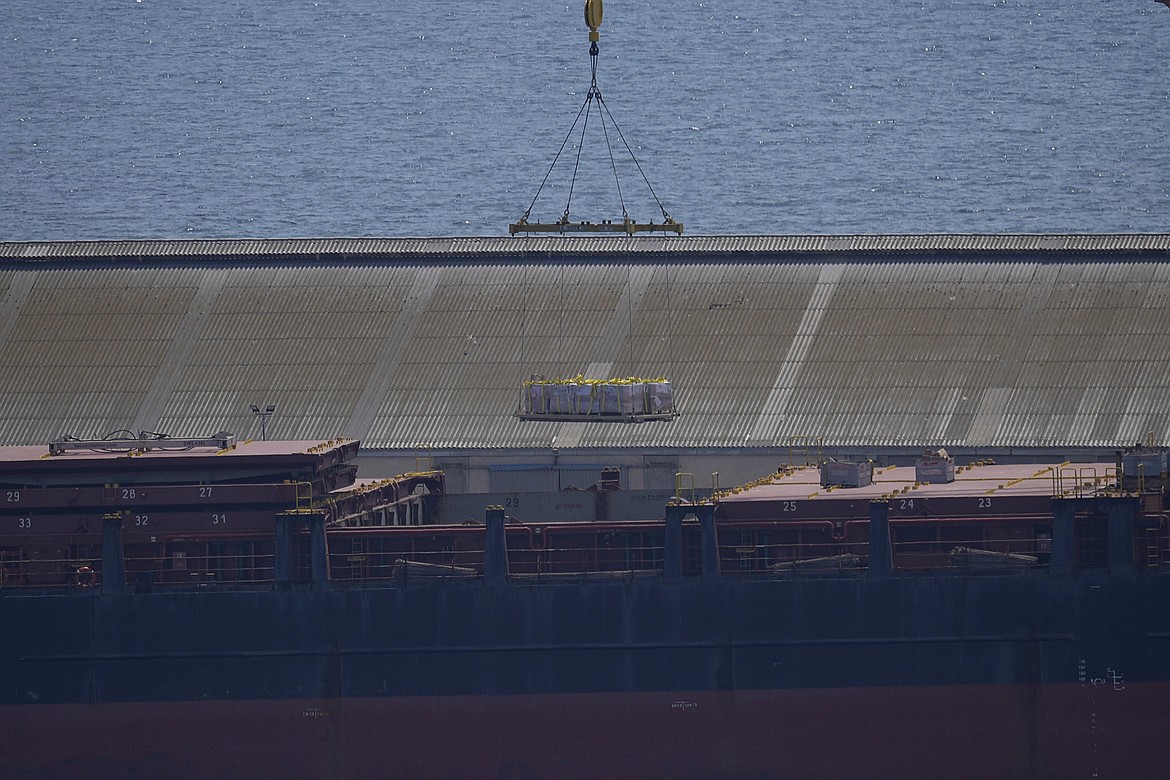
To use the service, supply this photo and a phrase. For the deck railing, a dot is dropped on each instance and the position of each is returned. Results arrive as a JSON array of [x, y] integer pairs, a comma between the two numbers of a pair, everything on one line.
[[1082, 535]]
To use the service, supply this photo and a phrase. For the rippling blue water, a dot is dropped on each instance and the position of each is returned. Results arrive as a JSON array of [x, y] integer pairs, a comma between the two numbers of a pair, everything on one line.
[[266, 118]]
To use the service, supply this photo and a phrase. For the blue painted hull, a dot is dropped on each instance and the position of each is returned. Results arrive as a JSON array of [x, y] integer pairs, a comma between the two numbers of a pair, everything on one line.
[[1022, 675]]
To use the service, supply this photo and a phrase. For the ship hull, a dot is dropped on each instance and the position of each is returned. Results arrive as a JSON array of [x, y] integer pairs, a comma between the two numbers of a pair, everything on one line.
[[960, 676], [1047, 731]]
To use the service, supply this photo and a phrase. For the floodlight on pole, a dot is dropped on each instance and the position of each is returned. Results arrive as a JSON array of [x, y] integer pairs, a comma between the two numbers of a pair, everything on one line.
[[264, 414]]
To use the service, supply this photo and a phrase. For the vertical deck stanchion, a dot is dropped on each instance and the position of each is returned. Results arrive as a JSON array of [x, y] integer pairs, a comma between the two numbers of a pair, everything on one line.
[[318, 551], [710, 540], [672, 553], [1121, 514], [113, 557], [881, 554], [495, 554], [282, 563], [1064, 551]]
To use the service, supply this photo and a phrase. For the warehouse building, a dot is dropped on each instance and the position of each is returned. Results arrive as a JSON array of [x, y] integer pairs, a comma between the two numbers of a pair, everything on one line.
[[778, 348]]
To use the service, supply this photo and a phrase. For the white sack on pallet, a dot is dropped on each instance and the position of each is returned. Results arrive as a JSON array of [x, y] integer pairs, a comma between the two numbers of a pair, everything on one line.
[[562, 399], [536, 399], [610, 399], [587, 401], [659, 398], [632, 398]]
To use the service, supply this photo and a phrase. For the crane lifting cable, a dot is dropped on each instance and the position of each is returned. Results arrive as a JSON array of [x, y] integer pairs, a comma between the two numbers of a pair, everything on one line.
[[593, 98]]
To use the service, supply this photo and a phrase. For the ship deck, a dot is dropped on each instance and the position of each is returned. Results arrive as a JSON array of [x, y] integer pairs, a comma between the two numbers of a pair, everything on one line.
[[980, 489]]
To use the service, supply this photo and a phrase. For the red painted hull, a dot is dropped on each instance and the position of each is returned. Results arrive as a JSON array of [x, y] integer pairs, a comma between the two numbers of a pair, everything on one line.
[[1054, 731]]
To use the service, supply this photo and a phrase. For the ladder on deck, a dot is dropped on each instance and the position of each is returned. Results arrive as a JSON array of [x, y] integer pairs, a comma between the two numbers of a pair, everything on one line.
[[1153, 547]]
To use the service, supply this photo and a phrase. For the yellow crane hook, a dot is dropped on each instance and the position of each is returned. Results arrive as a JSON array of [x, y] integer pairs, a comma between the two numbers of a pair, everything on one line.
[[593, 19]]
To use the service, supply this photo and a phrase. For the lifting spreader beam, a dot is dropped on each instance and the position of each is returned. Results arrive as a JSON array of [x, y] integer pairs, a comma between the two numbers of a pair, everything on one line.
[[629, 227], [593, 13]]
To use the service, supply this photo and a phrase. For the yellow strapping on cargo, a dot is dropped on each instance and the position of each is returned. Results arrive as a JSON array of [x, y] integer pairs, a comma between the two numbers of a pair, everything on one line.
[[581, 380]]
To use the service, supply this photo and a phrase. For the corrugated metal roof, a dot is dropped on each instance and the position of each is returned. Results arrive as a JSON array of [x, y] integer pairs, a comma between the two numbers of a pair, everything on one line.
[[862, 351], [336, 250]]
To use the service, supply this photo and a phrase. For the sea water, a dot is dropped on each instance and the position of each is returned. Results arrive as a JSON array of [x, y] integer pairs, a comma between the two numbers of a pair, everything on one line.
[[270, 118]]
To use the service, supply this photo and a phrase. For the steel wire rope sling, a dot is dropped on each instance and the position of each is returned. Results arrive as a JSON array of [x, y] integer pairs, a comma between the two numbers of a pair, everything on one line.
[[629, 308], [593, 14], [669, 314], [524, 325]]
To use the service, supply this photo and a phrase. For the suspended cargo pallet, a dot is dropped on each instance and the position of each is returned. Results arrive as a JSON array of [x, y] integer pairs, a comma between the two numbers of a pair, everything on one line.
[[601, 418], [594, 400]]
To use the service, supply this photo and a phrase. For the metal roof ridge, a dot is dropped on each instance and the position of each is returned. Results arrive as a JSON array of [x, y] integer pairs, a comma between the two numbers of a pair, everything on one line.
[[456, 246]]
